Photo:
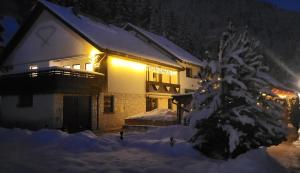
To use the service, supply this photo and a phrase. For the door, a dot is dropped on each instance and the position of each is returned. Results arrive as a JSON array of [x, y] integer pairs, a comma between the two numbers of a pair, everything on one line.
[[77, 113]]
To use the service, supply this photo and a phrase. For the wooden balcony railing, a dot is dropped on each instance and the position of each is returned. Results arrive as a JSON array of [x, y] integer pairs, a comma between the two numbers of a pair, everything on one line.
[[49, 80], [159, 87]]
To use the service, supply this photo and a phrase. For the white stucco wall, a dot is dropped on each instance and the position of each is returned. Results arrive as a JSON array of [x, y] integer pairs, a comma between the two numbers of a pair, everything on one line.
[[187, 82], [47, 39], [41, 114]]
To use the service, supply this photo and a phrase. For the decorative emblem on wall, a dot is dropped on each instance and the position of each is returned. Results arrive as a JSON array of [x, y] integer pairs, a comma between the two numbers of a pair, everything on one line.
[[177, 89], [45, 33]]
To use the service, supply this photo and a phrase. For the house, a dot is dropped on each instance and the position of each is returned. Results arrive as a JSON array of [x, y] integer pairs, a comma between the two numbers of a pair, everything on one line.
[[66, 70]]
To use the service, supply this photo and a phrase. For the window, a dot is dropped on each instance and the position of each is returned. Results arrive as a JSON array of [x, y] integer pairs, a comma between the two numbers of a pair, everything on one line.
[[67, 66], [151, 104], [25, 101], [109, 104], [157, 77], [189, 72], [170, 104], [33, 67], [76, 66], [89, 67]]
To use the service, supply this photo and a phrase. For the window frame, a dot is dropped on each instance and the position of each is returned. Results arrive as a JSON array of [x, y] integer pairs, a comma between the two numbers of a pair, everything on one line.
[[67, 66], [188, 72], [109, 100], [73, 66], [85, 66]]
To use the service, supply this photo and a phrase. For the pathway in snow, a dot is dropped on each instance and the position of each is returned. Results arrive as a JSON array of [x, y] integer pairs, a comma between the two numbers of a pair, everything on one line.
[[288, 154]]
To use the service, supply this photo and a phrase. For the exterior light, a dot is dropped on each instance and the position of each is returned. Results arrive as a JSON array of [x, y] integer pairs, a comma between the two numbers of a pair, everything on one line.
[[93, 57]]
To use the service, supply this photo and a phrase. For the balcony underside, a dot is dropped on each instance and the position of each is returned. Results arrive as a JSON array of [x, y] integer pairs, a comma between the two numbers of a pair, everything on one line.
[[52, 80]]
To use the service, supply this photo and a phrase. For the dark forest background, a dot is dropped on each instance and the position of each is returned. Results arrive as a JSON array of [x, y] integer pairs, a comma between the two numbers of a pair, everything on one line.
[[196, 25]]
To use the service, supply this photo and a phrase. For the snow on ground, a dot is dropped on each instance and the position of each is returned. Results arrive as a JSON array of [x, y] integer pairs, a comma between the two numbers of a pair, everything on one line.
[[55, 151], [156, 115], [288, 155]]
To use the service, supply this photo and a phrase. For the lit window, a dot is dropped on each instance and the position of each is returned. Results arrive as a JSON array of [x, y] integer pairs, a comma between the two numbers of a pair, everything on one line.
[[33, 67], [76, 66], [89, 67], [67, 66]]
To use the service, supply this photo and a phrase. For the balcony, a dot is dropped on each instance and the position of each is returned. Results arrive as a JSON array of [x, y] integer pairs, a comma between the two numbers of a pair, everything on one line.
[[159, 87], [52, 80]]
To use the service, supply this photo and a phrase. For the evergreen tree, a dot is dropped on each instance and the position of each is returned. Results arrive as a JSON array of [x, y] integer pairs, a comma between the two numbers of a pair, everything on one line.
[[234, 109]]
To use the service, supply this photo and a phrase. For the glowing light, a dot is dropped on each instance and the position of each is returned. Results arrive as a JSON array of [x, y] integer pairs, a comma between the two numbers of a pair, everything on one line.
[[128, 64], [162, 71], [283, 94], [33, 67], [67, 66], [89, 67], [76, 66], [93, 57]]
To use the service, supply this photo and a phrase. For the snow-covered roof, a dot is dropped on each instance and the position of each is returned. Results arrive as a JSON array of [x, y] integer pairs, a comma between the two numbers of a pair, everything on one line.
[[169, 46], [10, 26], [108, 36]]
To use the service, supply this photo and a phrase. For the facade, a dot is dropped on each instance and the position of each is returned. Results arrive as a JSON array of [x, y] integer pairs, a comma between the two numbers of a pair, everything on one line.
[[64, 70]]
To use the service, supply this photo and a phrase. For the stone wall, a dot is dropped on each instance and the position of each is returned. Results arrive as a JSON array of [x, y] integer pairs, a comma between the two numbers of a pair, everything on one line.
[[124, 105]]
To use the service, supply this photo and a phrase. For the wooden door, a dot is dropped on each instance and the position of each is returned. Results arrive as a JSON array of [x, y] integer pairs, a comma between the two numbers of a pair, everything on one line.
[[76, 113]]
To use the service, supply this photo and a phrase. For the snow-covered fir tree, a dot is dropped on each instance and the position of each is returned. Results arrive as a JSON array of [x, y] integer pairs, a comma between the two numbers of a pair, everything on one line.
[[234, 109]]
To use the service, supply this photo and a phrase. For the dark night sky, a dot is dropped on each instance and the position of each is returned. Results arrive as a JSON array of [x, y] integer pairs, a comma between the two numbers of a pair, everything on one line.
[[293, 5]]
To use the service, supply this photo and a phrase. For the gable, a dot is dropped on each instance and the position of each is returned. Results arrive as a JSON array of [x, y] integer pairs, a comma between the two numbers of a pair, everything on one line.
[[48, 39]]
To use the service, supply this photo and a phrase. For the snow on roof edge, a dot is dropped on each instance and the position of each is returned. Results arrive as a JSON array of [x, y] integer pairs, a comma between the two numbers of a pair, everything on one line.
[[168, 49], [49, 5]]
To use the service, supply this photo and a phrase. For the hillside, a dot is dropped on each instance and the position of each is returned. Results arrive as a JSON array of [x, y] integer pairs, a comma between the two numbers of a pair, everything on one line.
[[197, 24]]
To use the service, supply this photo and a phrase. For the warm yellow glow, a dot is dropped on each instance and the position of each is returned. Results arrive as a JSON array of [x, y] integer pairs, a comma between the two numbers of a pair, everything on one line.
[[93, 57], [89, 67], [67, 66], [283, 94], [162, 71], [76, 66], [117, 62]]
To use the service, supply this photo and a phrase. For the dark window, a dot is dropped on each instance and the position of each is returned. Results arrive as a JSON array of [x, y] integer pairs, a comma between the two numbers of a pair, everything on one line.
[[25, 101], [151, 103], [108, 104], [170, 104], [189, 72]]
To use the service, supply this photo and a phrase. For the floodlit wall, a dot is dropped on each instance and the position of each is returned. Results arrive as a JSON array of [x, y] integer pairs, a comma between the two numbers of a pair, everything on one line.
[[126, 76], [48, 39]]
